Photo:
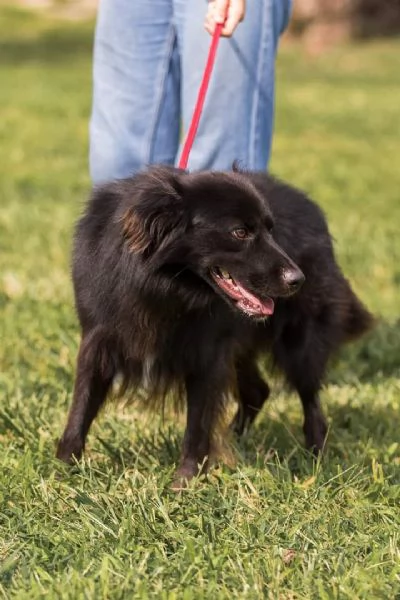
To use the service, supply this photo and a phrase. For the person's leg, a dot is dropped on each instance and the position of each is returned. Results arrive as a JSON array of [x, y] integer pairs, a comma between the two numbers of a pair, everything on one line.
[[237, 121], [136, 104]]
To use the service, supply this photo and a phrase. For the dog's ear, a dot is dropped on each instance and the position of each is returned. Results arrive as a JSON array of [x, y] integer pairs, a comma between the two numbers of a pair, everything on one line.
[[155, 214]]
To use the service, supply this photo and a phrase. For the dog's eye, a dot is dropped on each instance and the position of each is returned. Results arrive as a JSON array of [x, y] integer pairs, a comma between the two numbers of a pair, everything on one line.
[[240, 233]]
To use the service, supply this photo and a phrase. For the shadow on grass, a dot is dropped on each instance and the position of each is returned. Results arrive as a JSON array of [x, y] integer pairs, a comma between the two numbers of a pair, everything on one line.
[[375, 356], [160, 448], [356, 434]]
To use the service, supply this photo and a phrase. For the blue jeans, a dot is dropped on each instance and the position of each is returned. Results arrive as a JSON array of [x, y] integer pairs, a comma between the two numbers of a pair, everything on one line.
[[149, 58]]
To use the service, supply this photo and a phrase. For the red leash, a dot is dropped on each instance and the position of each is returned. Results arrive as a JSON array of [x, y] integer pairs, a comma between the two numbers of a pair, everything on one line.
[[201, 97]]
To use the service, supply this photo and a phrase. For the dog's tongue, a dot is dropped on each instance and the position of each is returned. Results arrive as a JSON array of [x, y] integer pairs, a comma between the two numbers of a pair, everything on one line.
[[249, 303], [246, 301]]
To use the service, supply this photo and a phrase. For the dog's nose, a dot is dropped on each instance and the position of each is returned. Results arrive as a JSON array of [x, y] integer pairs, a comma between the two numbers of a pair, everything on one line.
[[293, 278]]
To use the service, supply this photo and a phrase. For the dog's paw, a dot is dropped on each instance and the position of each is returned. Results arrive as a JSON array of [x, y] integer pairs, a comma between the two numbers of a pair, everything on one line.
[[188, 470], [69, 451], [315, 432]]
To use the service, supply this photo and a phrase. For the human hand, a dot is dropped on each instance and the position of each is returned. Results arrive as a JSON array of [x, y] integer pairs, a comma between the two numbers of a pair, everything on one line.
[[230, 12]]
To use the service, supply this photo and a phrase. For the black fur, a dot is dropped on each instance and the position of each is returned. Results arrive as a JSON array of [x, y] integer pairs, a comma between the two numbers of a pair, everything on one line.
[[152, 308]]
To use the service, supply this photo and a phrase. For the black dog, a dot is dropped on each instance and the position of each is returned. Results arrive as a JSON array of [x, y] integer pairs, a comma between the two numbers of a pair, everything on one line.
[[183, 280]]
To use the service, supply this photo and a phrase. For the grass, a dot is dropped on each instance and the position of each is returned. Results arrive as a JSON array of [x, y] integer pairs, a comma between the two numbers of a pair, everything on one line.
[[275, 525]]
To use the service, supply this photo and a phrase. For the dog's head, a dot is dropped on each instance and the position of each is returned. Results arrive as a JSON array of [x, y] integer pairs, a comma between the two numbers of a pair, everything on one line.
[[218, 226]]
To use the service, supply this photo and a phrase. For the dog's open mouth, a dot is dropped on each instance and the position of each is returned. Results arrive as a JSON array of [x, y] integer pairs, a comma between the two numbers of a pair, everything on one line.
[[244, 299]]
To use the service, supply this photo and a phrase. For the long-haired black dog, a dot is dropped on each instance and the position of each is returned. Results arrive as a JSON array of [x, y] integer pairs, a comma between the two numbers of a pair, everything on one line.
[[183, 280]]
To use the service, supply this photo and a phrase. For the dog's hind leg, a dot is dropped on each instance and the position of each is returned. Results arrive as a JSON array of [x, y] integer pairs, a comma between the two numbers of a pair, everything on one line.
[[95, 373], [315, 428], [302, 353], [253, 391]]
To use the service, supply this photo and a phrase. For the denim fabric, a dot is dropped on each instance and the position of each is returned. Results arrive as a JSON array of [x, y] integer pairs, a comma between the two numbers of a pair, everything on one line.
[[149, 58]]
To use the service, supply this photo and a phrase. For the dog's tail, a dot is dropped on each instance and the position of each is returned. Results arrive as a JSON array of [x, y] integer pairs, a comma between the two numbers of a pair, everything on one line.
[[357, 319]]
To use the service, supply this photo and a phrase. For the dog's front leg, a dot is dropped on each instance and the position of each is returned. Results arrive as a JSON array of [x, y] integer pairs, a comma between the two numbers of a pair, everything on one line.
[[204, 402]]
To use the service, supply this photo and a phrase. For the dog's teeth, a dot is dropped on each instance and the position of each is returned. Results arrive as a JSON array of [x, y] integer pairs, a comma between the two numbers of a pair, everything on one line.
[[225, 274]]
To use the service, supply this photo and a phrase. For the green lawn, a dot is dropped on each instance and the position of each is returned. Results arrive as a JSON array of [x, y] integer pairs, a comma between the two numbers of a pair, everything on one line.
[[276, 525]]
